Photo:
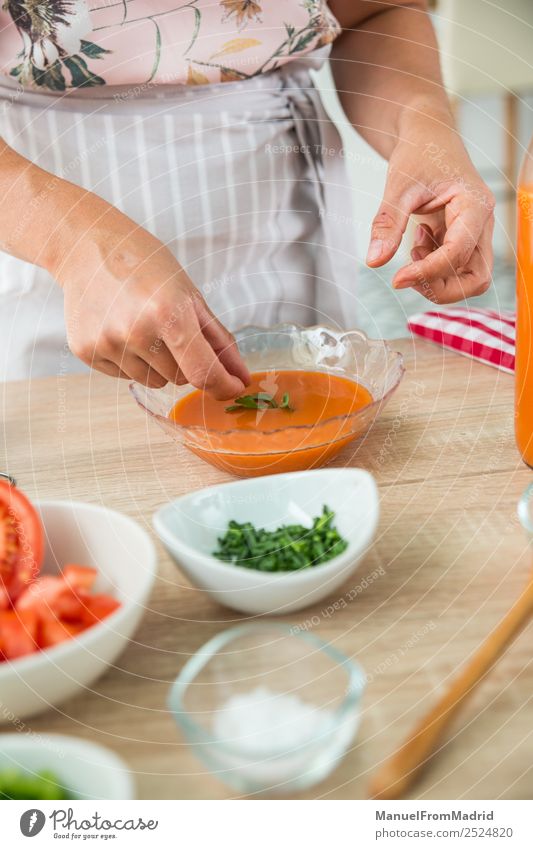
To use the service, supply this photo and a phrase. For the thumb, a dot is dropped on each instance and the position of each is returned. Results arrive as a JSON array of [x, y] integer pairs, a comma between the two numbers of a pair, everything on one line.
[[388, 227]]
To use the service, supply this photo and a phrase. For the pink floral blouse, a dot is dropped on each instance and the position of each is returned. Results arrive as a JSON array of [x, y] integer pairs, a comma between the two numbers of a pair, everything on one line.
[[60, 45]]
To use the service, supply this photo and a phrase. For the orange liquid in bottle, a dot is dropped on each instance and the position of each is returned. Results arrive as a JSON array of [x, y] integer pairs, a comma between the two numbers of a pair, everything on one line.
[[524, 326]]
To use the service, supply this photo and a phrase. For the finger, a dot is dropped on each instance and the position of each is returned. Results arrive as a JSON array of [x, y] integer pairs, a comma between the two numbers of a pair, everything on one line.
[[388, 226], [107, 367], [480, 266], [140, 344], [420, 252], [424, 242], [424, 237], [472, 282], [198, 361], [161, 360], [443, 292], [451, 289], [223, 343], [139, 370], [460, 240]]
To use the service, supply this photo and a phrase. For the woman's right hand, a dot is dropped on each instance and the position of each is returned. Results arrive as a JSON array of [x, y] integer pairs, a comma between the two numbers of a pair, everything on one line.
[[132, 311]]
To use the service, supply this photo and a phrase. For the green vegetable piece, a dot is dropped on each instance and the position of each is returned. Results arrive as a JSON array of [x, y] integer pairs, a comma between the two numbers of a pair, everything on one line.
[[287, 549], [268, 399], [21, 785], [259, 401], [285, 405]]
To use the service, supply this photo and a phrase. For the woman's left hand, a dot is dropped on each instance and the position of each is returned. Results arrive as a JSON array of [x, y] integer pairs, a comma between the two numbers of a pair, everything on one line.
[[430, 174]]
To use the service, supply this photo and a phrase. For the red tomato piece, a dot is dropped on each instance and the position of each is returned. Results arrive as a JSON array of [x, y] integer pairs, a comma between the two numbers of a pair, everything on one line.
[[80, 577], [29, 621], [69, 605], [98, 607], [50, 595], [52, 631], [17, 633], [42, 593], [5, 602], [21, 540]]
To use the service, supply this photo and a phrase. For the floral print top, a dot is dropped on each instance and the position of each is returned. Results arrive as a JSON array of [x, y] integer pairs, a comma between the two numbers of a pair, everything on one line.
[[61, 45]]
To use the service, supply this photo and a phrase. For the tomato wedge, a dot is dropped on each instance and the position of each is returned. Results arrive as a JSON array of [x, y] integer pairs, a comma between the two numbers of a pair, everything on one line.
[[52, 631], [42, 592], [80, 577], [98, 607], [18, 631], [21, 542]]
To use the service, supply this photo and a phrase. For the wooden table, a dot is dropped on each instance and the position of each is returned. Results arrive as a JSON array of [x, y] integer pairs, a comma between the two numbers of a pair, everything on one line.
[[448, 561]]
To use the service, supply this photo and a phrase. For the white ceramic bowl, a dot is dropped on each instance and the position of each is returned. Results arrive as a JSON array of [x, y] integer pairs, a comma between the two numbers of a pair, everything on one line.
[[190, 525], [85, 770], [125, 558]]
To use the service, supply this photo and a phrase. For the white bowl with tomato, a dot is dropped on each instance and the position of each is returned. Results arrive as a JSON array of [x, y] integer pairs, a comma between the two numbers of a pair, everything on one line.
[[74, 582]]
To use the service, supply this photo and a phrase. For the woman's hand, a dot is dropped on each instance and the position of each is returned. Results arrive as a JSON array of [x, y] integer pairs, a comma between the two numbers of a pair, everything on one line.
[[130, 308], [132, 311], [386, 66], [430, 174]]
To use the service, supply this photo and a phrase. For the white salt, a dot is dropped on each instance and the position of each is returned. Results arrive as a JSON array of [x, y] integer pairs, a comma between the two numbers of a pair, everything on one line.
[[271, 740], [263, 722]]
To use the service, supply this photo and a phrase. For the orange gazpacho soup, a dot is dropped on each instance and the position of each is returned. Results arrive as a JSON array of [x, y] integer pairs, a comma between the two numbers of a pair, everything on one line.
[[303, 425]]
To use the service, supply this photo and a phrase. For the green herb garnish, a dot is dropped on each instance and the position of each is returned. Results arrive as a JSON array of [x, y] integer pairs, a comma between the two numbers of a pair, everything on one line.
[[286, 549], [259, 401], [15, 784]]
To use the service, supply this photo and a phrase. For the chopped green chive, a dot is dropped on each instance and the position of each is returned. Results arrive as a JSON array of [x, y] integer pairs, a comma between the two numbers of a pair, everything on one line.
[[285, 403], [259, 401], [287, 549]]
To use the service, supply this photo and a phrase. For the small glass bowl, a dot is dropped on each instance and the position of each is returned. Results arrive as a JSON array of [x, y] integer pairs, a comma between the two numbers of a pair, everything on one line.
[[269, 708], [525, 511], [350, 354]]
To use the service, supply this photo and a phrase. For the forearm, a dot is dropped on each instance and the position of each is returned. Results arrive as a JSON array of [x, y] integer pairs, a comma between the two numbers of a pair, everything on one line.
[[386, 69], [143, 319], [42, 217]]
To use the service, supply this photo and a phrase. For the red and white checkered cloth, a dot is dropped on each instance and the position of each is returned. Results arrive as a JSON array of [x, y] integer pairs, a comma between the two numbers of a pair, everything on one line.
[[485, 335]]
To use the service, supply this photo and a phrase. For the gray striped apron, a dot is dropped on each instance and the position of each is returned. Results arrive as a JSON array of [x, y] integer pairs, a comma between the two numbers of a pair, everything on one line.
[[243, 181]]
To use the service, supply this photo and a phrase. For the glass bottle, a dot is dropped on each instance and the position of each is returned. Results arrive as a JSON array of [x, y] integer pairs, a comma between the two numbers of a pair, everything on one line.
[[524, 311]]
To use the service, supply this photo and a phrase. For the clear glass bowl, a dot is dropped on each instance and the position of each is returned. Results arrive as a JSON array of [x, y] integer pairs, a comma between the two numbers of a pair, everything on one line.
[[269, 709], [350, 354], [525, 511]]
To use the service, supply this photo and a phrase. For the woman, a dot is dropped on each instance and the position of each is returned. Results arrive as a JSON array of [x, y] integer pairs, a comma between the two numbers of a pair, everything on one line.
[[167, 171]]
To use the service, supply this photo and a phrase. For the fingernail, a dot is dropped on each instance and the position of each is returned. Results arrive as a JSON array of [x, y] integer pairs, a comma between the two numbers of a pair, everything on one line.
[[419, 233], [375, 249], [403, 284]]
